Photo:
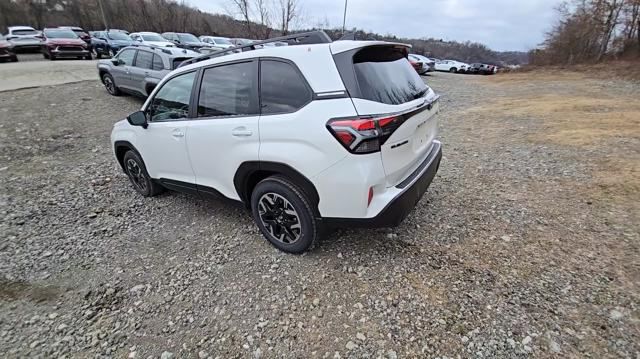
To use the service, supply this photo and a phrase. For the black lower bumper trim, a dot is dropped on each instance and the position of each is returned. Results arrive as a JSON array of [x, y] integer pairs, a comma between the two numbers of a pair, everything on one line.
[[398, 209]]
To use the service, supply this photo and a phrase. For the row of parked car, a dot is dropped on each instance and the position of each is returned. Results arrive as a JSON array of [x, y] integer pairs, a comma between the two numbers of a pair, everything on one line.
[[75, 42], [424, 64]]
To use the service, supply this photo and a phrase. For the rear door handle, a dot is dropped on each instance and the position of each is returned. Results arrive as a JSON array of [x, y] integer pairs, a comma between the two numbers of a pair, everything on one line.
[[241, 132], [177, 133]]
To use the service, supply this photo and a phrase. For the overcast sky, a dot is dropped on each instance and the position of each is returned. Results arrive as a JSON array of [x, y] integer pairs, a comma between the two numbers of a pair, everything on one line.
[[500, 24]]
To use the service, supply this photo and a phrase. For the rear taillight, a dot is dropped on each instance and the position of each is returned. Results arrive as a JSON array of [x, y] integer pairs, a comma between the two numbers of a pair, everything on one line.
[[364, 134]]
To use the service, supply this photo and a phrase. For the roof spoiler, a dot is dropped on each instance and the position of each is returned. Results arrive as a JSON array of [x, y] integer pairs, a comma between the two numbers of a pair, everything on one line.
[[305, 38]]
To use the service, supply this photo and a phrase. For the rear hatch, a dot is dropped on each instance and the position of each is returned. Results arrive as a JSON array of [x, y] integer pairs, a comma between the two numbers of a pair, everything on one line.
[[384, 86]]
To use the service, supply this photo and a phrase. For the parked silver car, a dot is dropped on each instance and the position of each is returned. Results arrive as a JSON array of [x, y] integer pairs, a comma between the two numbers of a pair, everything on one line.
[[217, 42], [24, 38], [137, 69]]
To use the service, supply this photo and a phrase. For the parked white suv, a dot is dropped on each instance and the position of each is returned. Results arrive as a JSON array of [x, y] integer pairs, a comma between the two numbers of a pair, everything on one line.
[[308, 136], [451, 66]]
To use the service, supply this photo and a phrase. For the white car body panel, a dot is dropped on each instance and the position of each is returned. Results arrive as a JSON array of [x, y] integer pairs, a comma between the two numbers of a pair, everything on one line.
[[215, 166], [447, 65], [139, 38]]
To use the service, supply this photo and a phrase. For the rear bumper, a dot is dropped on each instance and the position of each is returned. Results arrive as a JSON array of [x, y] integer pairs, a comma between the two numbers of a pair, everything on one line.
[[412, 190]]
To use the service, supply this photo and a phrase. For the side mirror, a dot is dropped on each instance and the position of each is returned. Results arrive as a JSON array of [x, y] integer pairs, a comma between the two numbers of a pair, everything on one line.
[[138, 118], [116, 62]]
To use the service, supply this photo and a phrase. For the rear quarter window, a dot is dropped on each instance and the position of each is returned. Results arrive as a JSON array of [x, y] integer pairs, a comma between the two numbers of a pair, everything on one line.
[[282, 88]]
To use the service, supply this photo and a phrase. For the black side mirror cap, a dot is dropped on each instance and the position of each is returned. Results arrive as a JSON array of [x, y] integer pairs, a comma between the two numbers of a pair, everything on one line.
[[138, 118]]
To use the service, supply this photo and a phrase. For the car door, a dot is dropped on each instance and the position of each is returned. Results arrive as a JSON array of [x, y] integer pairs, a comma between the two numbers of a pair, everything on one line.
[[163, 143], [225, 133], [122, 71], [141, 70]]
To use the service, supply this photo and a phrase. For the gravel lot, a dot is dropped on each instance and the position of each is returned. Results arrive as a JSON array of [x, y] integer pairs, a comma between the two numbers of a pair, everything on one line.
[[523, 247]]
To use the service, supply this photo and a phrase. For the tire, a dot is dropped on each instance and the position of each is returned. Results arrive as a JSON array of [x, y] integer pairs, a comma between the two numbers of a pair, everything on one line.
[[45, 55], [137, 172], [453, 70], [14, 59], [88, 57], [110, 85], [96, 53], [276, 202]]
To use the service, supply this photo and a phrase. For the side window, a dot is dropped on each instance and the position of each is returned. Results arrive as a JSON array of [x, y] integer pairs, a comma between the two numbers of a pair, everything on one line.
[[126, 56], [172, 100], [228, 90], [282, 88], [157, 63], [144, 59]]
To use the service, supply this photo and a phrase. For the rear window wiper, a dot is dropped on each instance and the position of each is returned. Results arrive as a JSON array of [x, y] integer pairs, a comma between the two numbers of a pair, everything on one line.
[[419, 94]]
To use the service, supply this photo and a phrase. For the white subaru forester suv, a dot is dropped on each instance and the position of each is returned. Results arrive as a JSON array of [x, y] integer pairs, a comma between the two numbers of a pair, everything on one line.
[[321, 134]]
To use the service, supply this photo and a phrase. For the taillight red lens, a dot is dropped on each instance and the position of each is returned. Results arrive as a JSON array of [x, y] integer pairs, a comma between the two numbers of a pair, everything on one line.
[[345, 137], [356, 124], [364, 135], [370, 196]]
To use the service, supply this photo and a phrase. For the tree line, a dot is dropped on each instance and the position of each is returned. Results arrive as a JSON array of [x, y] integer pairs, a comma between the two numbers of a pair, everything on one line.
[[591, 31], [257, 19]]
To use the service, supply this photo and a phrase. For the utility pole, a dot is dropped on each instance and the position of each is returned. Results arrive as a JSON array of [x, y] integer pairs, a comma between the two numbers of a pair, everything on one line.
[[104, 18], [344, 18]]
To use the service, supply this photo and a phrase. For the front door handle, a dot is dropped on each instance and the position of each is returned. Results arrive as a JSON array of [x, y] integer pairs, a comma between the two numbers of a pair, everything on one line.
[[177, 133], [241, 132]]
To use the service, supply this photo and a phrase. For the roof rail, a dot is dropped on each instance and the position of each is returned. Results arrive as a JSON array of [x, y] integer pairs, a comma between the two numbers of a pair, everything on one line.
[[154, 47], [304, 38]]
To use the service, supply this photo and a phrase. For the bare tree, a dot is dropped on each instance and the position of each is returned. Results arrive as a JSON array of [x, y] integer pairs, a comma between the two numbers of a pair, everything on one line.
[[288, 12], [243, 8]]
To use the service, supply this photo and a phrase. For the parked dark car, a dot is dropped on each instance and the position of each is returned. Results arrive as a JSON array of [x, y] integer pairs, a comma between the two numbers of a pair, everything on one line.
[[6, 51], [60, 43], [80, 32], [481, 69], [185, 40], [109, 42]]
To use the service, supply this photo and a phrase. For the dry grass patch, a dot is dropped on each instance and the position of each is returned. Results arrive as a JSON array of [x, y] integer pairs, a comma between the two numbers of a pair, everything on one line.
[[581, 120], [575, 120]]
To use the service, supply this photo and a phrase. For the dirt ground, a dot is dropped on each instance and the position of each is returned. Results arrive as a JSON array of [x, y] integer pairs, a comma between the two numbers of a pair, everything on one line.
[[527, 244]]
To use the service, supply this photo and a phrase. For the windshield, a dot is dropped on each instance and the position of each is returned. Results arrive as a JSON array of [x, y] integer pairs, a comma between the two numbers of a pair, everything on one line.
[[153, 37], [222, 41], [79, 32], [187, 38], [24, 32], [60, 34], [384, 75], [114, 35]]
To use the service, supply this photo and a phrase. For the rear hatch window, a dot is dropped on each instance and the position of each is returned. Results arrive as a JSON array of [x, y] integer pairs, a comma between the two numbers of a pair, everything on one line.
[[385, 75]]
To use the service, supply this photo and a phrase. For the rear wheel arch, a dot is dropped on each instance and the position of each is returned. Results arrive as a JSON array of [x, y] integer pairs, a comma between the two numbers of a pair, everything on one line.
[[249, 174]]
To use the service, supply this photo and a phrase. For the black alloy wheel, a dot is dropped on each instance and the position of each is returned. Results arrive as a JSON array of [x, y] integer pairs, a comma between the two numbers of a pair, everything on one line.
[[284, 214]]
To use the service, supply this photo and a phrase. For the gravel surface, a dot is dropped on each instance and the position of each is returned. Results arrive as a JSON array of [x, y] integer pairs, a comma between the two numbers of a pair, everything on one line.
[[512, 252]]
